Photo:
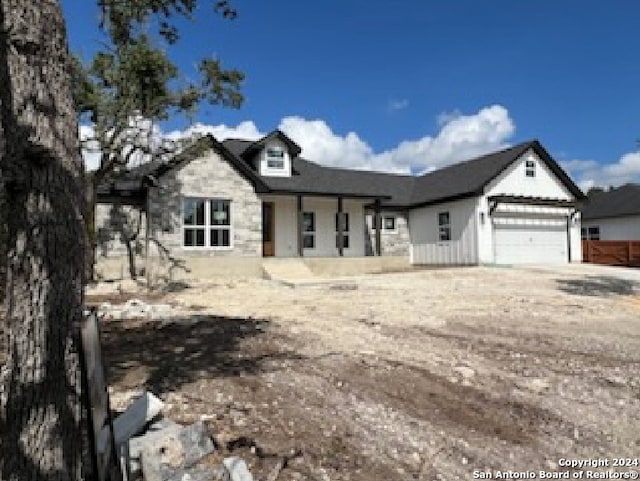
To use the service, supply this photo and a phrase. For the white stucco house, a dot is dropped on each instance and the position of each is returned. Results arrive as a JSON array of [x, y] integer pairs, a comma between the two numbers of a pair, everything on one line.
[[247, 200], [613, 215]]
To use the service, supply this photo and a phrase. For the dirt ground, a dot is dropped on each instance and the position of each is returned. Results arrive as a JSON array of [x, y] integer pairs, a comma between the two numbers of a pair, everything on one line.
[[425, 375]]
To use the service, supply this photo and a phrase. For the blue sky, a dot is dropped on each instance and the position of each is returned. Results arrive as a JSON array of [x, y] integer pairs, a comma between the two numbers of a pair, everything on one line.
[[415, 85]]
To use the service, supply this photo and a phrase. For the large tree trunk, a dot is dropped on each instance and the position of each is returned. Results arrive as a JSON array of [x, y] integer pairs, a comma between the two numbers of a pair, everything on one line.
[[41, 418]]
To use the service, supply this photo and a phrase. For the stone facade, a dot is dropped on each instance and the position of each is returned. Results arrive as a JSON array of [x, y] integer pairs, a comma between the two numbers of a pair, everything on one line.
[[393, 243], [209, 177]]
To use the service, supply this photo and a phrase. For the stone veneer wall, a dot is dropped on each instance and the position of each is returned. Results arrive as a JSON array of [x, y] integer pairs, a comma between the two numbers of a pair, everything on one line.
[[210, 177], [393, 243]]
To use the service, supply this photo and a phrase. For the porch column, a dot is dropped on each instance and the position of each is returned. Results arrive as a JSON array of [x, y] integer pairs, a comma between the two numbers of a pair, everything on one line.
[[340, 229], [377, 222], [300, 224]]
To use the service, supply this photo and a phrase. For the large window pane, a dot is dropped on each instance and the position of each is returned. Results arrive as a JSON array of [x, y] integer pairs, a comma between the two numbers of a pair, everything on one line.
[[194, 237], [220, 238], [220, 214], [193, 212]]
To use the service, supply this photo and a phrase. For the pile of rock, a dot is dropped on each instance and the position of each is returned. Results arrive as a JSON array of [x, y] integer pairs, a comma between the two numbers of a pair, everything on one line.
[[134, 309], [153, 448]]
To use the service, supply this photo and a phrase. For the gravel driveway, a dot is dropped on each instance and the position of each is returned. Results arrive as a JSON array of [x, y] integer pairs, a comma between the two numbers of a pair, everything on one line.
[[431, 374]]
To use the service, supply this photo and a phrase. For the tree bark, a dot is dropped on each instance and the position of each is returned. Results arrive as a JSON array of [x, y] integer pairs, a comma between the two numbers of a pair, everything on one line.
[[42, 426]]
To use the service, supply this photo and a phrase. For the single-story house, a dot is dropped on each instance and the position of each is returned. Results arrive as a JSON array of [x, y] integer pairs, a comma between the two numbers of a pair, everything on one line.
[[612, 215], [254, 199]]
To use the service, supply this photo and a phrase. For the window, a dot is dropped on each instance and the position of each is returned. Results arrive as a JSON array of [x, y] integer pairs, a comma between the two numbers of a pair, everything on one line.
[[309, 230], [345, 230], [590, 233], [275, 158], [444, 226], [530, 168], [389, 223], [206, 223]]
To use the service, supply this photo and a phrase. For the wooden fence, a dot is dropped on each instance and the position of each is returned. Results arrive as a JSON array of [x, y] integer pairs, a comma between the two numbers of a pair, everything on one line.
[[612, 253]]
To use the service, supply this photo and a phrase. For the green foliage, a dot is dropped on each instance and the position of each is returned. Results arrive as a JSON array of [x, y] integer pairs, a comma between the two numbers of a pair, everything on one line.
[[133, 77]]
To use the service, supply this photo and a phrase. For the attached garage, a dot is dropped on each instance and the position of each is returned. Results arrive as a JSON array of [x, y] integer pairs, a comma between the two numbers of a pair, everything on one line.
[[522, 240]]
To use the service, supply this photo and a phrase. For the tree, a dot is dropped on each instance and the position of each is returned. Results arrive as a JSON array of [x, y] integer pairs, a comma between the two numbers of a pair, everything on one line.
[[131, 84], [41, 421]]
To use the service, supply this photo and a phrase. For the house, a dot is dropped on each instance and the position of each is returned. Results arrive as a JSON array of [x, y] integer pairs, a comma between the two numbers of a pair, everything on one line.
[[613, 215], [228, 204]]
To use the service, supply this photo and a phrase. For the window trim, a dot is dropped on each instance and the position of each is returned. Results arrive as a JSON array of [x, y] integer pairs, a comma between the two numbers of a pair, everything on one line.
[[207, 224], [446, 226], [308, 233], [346, 241], [530, 168], [269, 158]]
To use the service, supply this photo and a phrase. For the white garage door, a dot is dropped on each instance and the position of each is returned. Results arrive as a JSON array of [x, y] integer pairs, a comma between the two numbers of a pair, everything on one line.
[[530, 241]]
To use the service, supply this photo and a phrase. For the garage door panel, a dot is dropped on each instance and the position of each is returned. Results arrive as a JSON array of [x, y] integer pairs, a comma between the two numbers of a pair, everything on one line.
[[525, 241]]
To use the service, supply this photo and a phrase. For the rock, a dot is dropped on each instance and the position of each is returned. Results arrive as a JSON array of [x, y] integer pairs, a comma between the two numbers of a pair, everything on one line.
[[237, 469], [199, 474], [196, 442], [536, 385], [156, 311], [616, 381], [131, 422], [171, 447], [135, 308], [465, 371]]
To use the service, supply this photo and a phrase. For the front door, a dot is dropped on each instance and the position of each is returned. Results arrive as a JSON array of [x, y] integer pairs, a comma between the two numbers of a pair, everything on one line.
[[268, 246]]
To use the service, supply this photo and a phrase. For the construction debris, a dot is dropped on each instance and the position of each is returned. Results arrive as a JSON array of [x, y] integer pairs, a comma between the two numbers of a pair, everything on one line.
[[164, 450]]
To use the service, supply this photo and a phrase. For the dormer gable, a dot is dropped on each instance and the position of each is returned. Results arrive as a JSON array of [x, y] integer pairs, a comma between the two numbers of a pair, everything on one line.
[[272, 155]]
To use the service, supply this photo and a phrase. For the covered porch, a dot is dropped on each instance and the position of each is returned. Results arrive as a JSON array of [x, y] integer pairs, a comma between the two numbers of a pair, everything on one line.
[[313, 225]]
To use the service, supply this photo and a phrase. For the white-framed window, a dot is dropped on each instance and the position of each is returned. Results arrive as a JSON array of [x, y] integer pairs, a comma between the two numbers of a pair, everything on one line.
[[275, 158], [309, 230], [206, 223], [389, 223], [590, 233], [444, 226], [345, 229], [530, 168]]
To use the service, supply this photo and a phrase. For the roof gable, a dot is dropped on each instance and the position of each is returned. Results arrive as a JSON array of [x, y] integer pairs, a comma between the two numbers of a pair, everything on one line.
[[471, 177], [293, 148]]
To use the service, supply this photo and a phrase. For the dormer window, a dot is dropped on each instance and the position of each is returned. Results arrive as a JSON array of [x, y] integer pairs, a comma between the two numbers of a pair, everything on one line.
[[275, 158], [530, 168]]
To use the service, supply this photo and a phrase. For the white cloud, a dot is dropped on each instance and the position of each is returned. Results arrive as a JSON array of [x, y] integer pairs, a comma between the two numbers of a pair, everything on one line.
[[244, 130], [461, 137], [589, 173], [398, 104]]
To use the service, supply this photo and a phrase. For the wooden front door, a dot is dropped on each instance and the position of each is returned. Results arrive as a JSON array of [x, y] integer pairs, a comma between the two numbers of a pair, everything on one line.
[[268, 230]]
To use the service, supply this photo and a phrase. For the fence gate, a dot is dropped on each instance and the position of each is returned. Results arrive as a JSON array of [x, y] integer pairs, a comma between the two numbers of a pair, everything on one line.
[[612, 253]]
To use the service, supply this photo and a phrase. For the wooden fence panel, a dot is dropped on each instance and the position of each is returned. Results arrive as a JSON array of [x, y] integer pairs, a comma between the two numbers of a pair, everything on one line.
[[612, 253]]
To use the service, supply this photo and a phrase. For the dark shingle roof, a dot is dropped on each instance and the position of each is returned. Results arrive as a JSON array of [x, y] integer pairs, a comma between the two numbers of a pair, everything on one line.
[[472, 176], [464, 179], [309, 177], [618, 202]]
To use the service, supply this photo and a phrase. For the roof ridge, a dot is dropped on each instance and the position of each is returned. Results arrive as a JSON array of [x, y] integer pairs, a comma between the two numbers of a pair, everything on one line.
[[482, 156]]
